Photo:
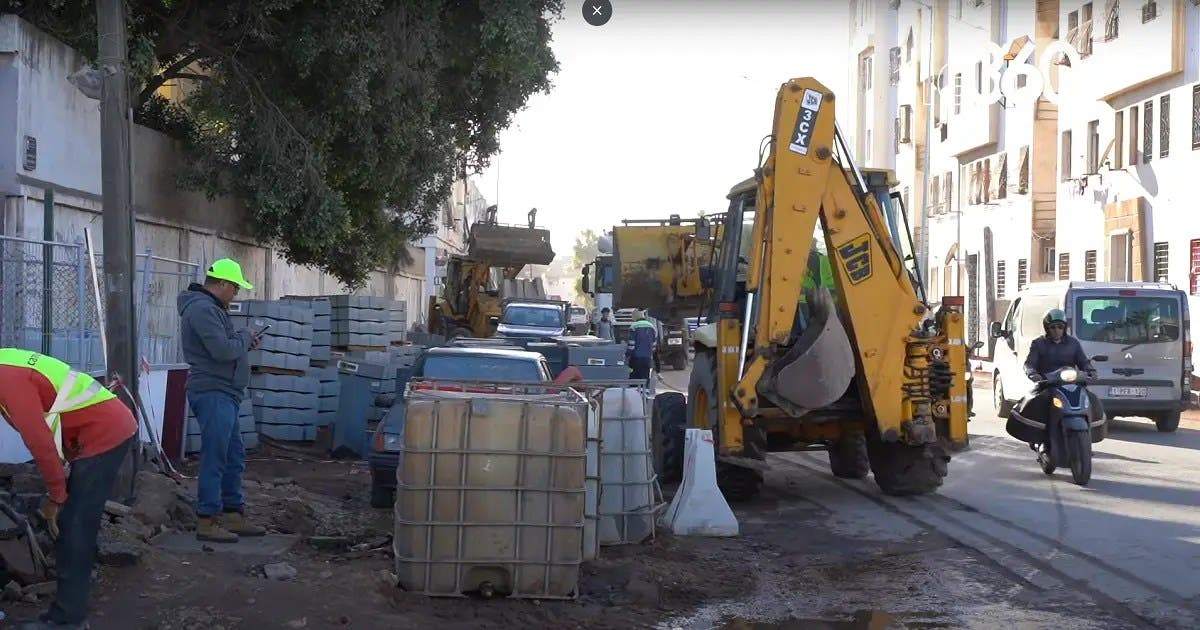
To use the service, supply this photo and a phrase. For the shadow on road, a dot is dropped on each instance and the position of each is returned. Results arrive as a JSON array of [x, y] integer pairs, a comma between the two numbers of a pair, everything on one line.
[[1177, 495], [1145, 433]]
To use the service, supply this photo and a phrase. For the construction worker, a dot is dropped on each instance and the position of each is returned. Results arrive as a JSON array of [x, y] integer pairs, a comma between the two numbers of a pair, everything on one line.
[[217, 380], [644, 338], [604, 327], [67, 417], [819, 273]]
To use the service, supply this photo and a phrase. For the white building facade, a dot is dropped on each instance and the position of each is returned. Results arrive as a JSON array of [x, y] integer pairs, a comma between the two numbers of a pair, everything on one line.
[[1031, 142]]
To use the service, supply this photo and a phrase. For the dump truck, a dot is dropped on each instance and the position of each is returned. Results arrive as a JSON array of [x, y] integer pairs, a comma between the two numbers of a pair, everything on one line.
[[871, 375], [477, 283]]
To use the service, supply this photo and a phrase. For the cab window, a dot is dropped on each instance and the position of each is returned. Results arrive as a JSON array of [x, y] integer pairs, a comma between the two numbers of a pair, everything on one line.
[[1128, 320]]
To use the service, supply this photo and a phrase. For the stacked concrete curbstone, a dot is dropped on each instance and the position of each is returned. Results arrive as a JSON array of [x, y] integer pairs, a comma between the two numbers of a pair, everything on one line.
[[360, 322], [398, 311], [287, 344], [191, 440], [285, 407]]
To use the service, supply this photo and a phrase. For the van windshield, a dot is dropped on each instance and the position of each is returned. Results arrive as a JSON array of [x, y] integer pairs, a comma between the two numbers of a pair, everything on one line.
[[1128, 320]]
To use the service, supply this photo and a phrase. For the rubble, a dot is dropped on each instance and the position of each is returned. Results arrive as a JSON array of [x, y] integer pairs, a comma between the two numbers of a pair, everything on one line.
[[157, 498], [279, 571]]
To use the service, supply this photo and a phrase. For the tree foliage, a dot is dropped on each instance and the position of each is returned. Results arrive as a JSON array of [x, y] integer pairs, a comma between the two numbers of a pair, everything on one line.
[[340, 123], [586, 249]]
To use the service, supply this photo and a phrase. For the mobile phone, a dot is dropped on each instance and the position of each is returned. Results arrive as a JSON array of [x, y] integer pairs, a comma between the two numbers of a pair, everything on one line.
[[263, 331]]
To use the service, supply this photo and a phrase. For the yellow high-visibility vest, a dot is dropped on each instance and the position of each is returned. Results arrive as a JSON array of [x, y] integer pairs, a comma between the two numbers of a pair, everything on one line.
[[73, 390]]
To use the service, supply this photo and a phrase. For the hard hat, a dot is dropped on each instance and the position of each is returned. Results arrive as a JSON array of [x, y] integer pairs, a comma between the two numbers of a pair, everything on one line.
[[228, 270], [1054, 315]]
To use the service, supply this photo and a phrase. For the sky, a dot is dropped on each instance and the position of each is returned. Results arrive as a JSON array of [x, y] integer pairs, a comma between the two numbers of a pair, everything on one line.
[[660, 111]]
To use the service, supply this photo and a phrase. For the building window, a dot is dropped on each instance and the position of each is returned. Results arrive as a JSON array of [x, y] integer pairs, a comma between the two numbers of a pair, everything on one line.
[[1196, 116], [1048, 259], [1065, 155], [1161, 255], [1085, 31], [894, 66], [1073, 28], [1093, 147], [1022, 274], [1112, 20], [1134, 127], [867, 70], [896, 135], [904, 200], [1120, 257], [1002, 176], [1194, 271], [979, 77], [1118, 140], [1064, 266], [957, 94], [908, 46], [1089, 265], [1000, 273], [1164, 125], [867, 155], [906, 112], [1147, 132], [1149, 11], [934, 195], [1023, 170]]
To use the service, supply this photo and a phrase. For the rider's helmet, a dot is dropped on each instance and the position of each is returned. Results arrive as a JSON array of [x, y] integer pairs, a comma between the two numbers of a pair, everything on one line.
[[1054, 315]]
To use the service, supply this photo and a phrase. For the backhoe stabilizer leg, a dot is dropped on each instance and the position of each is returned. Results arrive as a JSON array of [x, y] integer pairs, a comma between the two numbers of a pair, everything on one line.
[[819, 367]]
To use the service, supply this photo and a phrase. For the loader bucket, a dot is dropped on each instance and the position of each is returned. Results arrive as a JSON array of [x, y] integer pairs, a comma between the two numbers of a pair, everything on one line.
[[819, 368], [509, 245]]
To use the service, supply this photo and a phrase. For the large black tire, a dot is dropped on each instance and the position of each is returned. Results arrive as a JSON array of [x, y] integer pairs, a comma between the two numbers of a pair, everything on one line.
[[1079, 445], [679, 361], [1046, 460], [670, 420], [1167, 421], [904, 470], [1002, 405], [738, 484], [848, 458]]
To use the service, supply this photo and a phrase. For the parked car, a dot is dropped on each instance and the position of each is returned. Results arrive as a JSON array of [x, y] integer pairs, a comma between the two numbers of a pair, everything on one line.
[[578, 320], [1136, 334], [463, 362], [532, 318]]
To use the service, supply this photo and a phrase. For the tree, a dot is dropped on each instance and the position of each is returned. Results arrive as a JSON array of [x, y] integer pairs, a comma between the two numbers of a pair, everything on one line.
[[585, 251], [341, 125]]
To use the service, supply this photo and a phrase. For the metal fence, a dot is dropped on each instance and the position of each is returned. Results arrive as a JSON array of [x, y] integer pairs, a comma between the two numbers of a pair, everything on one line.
[[47, 302]]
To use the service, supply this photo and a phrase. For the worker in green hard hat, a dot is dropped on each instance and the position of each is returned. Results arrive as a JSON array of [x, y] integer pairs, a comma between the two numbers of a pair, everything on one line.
[[219, 373], [818, 274]]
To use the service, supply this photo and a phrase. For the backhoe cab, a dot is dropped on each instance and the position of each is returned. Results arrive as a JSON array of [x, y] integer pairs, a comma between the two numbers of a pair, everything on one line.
[[861, 370]]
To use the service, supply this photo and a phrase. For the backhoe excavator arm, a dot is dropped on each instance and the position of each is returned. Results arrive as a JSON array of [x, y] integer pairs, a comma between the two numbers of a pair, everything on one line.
[[901, 369]]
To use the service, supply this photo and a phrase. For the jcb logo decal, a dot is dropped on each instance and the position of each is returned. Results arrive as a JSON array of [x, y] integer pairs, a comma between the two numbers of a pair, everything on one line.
[[856, 258]]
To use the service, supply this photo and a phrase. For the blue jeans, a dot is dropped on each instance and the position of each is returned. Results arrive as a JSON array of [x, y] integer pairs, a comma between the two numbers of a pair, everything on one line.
[[222, 454], [88, 487]]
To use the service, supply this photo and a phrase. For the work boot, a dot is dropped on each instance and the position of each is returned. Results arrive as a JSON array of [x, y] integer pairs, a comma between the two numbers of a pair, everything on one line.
[[236, 522], [209, 530], [42, 623]]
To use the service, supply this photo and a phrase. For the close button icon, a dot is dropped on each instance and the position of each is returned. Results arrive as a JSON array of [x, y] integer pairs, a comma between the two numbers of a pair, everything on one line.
[[597, 12]]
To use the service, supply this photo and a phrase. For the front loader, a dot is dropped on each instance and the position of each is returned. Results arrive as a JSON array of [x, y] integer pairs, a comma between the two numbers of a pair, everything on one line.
[[862, 371]]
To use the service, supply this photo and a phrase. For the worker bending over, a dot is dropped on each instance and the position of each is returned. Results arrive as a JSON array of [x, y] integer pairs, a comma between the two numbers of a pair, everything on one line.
[[67, 417]]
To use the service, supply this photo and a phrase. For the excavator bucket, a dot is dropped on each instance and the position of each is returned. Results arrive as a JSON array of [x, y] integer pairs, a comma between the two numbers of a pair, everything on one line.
[[509, 245], [819, 368]]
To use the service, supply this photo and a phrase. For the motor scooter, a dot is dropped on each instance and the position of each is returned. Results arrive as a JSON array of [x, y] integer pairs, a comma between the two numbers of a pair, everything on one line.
[[1061, 427]]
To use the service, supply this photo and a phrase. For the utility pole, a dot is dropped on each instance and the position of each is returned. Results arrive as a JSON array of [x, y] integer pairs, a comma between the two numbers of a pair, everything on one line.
[[117, 188]]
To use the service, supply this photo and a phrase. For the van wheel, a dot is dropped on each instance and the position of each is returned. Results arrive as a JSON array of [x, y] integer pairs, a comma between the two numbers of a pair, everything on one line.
[[1003, 406], [1167, 422]]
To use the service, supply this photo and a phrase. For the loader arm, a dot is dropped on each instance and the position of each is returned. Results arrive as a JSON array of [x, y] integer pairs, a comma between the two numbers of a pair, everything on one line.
[[873, 338]]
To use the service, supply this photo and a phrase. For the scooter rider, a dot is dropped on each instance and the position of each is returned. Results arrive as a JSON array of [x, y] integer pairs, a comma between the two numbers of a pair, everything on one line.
[[1056, 349]]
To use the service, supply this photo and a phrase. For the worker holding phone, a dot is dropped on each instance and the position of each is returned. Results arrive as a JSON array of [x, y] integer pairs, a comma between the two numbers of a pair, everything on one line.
[[220, 371]]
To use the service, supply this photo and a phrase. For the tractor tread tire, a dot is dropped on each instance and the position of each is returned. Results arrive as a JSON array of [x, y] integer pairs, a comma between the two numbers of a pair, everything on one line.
[[905, 470], [738, 484], [848, 458], [670, 413]]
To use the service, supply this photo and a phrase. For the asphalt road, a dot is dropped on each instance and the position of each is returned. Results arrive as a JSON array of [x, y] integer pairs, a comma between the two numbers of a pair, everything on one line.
[[1128, 544]]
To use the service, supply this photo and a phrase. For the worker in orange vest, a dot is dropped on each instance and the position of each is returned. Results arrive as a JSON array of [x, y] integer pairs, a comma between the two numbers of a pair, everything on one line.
[[79, 434]]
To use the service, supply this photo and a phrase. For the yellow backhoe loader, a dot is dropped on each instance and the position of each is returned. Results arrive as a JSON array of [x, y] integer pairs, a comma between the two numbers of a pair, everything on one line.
[[476, 284], [871, 375]]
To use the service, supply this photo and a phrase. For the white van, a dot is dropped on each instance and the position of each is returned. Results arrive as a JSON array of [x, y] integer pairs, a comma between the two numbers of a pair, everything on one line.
[[1137, 333]]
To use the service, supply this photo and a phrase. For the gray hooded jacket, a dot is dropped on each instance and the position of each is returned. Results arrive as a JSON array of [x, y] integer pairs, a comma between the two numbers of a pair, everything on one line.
[[212, 347]]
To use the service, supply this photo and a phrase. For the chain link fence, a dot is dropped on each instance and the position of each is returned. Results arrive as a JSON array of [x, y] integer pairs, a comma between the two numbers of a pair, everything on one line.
[[47, 302]]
